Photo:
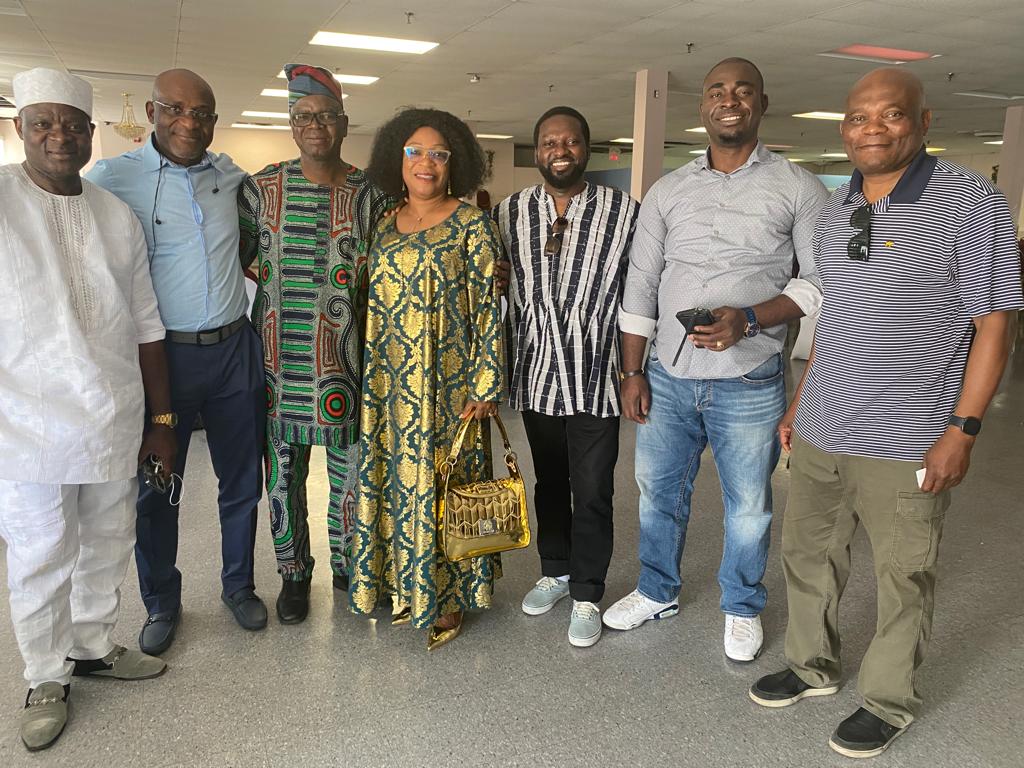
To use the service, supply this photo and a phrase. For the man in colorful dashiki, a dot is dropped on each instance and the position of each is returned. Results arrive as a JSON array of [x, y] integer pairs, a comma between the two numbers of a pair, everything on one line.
[[568, 241], [78, 320], [307, 224]]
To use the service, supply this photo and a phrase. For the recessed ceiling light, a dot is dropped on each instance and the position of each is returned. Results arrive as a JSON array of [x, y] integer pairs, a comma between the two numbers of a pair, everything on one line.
[[623, 140], [817, 115], [988, 95], [283, 93], [698, 151], [698, 129], [878, 54], [261, 127], [997, 143], [259, 113], [933, 150], [346, 79], [371, 43], [835, 154], [498, 136]]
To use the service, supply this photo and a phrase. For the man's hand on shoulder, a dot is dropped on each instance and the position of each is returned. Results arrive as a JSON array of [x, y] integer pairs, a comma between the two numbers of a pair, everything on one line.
[[727, 330], [947, 461]]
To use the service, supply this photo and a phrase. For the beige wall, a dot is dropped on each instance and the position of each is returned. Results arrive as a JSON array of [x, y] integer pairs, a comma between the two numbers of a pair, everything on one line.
[[13, 151]]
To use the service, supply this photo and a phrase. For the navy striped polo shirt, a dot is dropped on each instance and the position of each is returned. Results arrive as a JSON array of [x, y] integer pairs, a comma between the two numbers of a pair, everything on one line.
[[892, 339]]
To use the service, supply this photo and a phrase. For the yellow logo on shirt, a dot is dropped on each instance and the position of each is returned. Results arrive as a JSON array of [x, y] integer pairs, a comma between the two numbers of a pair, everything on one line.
[[889, 243]]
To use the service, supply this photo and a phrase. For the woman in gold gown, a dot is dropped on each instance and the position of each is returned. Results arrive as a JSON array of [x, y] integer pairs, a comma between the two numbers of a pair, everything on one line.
[[433, 357]]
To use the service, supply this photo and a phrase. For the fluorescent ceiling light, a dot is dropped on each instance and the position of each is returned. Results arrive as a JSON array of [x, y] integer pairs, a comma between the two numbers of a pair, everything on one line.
[[498, 136], [988, 95], [933, 150], [623, 140], [371, 43], [259, 113], [796, 160], [283, 93], [818, 115], [835, 154], [878, 54], [261, 127], [778, 146], [13, 112], [997, 143], [347, 79], [698, 151], [698, 129], [13, 9]]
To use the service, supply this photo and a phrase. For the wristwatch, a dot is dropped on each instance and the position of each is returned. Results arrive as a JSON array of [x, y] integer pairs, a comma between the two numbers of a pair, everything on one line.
[[623, 375], [166, 419], [753, 327], [968, 424]]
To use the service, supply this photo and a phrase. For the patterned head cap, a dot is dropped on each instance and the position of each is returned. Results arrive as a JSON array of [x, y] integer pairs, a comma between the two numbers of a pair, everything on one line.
[[49, 86], [307, 80]]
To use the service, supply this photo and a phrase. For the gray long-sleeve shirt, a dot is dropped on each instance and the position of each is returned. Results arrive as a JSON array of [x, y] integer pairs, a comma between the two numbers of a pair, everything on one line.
[[711, 239]]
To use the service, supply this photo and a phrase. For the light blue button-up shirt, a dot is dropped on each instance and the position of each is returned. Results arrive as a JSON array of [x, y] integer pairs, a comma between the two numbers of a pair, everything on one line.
[[190, 217]]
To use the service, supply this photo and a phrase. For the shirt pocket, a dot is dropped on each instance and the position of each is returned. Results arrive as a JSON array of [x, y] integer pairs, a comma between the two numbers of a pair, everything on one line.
[[917, 531]]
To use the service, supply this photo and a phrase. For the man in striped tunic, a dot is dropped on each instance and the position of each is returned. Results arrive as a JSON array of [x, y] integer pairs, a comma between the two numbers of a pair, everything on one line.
[[921, 277], [567, 240]]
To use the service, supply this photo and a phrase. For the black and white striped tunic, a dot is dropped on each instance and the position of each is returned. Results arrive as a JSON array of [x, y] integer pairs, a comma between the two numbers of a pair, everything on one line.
[[563, 311], [892, 340]]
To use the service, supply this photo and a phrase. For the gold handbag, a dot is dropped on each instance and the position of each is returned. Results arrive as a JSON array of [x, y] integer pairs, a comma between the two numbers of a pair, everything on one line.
[[484, 517]]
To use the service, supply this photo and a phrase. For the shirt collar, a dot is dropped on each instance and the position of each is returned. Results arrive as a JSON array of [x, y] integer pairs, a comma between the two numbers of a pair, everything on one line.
[[759, 155], [910, 186], [152, 160], [588, 191]]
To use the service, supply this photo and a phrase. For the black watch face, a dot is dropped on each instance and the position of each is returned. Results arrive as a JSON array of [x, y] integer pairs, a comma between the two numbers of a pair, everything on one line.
[[972, 426]]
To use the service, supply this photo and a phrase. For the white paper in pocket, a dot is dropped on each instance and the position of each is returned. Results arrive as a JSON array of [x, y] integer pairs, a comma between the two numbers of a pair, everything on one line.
[[920, 476]]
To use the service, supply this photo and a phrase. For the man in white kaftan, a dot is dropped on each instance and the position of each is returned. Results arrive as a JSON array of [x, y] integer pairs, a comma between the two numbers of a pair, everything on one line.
[[80, 335]]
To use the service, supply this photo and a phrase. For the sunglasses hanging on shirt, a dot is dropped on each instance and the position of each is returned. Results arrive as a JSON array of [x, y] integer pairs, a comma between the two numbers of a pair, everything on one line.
[[859, 245]]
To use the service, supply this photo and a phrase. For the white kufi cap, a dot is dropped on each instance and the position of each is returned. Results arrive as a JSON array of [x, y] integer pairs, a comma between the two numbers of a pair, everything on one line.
[[49, 86]]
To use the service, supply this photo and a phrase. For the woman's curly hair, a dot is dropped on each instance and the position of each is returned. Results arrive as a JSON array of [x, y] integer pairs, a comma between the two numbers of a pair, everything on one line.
[[467, 167]]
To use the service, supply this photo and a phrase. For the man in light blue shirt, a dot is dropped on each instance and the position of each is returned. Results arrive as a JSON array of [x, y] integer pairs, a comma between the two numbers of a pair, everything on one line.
[[185, 198]]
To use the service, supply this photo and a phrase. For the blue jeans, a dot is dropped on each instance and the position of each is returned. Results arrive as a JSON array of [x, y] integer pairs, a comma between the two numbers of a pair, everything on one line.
[[738, 417]]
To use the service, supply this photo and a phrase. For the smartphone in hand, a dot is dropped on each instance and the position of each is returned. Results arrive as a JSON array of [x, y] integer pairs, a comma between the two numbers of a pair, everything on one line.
[[690, 319]]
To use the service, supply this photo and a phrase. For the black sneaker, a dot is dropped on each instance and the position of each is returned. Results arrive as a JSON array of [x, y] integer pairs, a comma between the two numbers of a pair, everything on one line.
[[340, 581], [785, 688], [863, 734]]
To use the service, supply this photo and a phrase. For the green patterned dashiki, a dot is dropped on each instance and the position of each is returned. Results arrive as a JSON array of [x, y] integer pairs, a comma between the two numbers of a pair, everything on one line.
[[310, 245]]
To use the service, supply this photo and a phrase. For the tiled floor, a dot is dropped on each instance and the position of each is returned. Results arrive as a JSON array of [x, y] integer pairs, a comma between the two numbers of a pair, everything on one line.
[[343, 691]]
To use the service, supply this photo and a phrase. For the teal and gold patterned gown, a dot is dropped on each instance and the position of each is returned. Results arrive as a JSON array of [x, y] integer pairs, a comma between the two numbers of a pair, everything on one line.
[[433, 341]]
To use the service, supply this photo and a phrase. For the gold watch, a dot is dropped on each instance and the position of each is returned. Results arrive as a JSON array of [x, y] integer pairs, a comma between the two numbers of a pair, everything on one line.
[[166, 419]]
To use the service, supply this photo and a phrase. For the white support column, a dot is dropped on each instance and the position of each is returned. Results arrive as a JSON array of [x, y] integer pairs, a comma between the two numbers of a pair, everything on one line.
[[648, 130], [1011, 163]]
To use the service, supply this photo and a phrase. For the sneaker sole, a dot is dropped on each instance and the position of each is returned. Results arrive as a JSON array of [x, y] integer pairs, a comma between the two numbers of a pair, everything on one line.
[[539, 611], [584, 642], [744, 660], [778, 703], [665, 613], [108, 674], [846, 752]]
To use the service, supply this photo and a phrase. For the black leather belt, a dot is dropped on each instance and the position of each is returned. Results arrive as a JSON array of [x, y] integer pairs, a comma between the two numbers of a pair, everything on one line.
[[211, 336]]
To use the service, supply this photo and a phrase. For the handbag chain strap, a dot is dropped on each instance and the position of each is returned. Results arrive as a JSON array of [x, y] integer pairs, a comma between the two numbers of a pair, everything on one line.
[[448, 465]]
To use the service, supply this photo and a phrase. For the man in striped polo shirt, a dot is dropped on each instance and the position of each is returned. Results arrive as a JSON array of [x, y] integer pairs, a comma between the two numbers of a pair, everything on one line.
[[921, 277], [720, 233], [567, 240]]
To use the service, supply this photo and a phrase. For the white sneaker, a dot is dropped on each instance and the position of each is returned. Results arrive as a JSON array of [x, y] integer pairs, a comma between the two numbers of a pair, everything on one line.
[[544, 595], [585, 624], [634, 609], [743, 637]]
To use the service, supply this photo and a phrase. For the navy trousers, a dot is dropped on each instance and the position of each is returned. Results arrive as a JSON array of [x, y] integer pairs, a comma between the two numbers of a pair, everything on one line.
[[224, 382]]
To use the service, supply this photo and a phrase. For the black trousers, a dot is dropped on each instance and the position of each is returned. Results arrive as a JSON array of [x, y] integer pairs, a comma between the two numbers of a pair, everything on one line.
[[574, 460]]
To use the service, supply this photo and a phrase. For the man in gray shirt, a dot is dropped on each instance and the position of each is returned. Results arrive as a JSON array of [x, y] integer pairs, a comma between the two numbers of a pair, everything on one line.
[[719, 233]]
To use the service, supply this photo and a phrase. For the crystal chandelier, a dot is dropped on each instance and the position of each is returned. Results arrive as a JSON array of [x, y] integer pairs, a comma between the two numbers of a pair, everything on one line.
[[128, 128]]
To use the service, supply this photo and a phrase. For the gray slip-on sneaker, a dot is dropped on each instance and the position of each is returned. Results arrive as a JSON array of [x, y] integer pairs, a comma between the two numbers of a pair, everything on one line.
[[585, 624], [544, 595]]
